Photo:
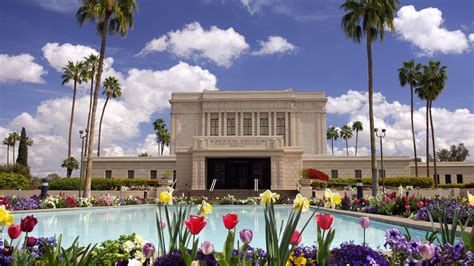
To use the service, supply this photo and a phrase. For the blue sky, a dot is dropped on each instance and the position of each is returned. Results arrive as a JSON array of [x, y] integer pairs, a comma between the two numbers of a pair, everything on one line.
[[317, 57]]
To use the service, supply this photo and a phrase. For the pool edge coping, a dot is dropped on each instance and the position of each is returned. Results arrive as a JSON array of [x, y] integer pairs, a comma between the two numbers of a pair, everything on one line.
[[79, 208]]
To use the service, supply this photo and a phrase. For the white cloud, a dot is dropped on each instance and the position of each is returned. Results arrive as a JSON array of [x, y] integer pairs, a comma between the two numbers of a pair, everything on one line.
[[61, 6], [395, 117], [218, 45], [275, 44], [471, 37], [144, 93], [58, 55], [254, 6], [424, 29], [20, 68]]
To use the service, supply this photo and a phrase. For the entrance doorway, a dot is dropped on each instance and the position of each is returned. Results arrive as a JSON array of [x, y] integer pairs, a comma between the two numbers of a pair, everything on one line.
[[238, 173]]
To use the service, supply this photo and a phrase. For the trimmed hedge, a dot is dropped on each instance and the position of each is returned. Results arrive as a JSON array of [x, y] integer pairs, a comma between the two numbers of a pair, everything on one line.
[[101, 183], [16, 169], [466, 185], [13, 181], [421, 182]]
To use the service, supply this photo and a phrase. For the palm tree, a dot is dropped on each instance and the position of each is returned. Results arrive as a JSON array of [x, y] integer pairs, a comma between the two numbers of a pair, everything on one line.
[[90, 63], [165, 140], [346, 134], [410, 74], [110, 16], [70, 163], [14, 137], [7, 142], [357, 126], [432, 83], [370, 18], [159, 126], [423, 95], [72, 72], [332, 134], [443, 155], [111, 90]]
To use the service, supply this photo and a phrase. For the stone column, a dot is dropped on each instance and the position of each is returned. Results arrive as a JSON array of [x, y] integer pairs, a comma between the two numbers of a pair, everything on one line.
[[275, 123], [270, 124], [286, 130], [236, 123], [203, 124], [241, 123], [292, 129], [202, 173], [253, 124], [195, 178], [208, 123]]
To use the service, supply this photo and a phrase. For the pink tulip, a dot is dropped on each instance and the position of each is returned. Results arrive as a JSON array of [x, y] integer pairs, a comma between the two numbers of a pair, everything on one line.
[[162, 225], [364, 221], [246, 235], [207, 248], [427, 251]]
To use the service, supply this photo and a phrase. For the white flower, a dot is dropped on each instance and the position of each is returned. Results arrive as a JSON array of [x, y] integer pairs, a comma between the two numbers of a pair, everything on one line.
[[128, 246], [134, 262], [139, 256], [139, 240]]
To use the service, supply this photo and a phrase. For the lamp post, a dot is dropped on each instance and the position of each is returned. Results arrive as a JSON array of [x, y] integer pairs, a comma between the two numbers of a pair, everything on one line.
[[83, 135], [381, 136]]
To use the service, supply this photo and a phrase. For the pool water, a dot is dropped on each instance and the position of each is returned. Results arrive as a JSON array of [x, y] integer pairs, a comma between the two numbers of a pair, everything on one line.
[[97, 225]]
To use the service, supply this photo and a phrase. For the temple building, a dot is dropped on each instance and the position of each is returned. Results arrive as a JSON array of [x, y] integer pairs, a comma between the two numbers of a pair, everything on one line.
[[253, 139]]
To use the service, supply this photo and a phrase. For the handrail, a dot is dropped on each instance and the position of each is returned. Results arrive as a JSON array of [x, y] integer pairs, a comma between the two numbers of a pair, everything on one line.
[[174, 183], [255, 184], [213, 184]]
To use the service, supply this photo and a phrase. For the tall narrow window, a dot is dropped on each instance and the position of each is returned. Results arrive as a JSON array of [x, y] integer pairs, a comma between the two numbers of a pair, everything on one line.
[[153, 174], [447, 179], [382, 173], [358, 173], [280, 126], [247, 126], [459, 179], [108, 173], [230, 126], [131, 174], [264, 126], [214, 127], [334, 174]]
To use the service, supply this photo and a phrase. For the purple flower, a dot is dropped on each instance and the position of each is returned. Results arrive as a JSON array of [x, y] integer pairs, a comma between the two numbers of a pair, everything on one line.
[[364, 221], [426, 251], [207, 248], [246, 235], [148, 250], [350, 253]]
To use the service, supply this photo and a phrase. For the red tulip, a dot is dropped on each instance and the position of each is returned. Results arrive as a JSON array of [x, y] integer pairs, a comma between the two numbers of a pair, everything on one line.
[[420, 204], [407, 207], [195, 224], [7, 250], [324, 220], [357, 201], [28, 223], [31, 241], [230, 220], [296, 238], [14, 231]]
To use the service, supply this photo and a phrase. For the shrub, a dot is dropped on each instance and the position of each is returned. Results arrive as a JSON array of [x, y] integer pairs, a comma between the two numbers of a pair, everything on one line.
[[101, 183], [466, 185], [421, 182], [13, 181], [16, 169], [312, 173]]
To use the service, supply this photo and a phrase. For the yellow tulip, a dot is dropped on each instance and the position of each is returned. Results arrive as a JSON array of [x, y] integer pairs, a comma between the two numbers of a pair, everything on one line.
[[205, 208], [471, 199], [300, 261], [5, 217], [166, 198], [9, 220], [332, 199], [301, 202], [268, 197]]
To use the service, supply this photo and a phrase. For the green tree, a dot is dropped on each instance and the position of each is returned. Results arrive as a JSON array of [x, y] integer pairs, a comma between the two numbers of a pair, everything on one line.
[[143, 154], [165, 140], [90, 63], [7, 142], [112, 90], [110, 16], [332, 134], [159, 126], [14, 138], [72, 72], [346, 134], [443, 155], [369, 18], [23, 149], [70, 163], [411, 74], [458, 153], [357, 126], [432, 84]]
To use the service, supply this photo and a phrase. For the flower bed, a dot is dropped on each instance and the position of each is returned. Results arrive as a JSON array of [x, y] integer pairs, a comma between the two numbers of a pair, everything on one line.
[[283, 244]]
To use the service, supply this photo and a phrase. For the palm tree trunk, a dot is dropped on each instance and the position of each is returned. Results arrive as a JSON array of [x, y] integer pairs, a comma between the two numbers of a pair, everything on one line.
[[100, 126], [347, 148], [8, 154], [332, 146], [428, 140], [375, 182], [87, 188], [13, 157], [90, 109], [162, 148], [413, 130], [434, 148], [357, 139], [71, 121]]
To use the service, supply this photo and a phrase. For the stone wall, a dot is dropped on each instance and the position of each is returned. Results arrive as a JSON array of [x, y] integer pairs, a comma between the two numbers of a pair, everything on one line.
[[140, 165], [466, 169]]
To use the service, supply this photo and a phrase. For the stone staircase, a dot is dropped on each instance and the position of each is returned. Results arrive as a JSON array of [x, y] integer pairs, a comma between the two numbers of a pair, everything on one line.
[[237, 193]]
